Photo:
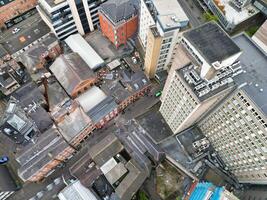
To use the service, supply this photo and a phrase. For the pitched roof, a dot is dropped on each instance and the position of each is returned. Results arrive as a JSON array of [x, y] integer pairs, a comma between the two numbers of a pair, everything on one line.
[[70, 70], [117, 10]]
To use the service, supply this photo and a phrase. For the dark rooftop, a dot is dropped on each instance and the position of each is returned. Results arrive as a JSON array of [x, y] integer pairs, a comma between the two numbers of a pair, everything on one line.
[[118, 10], [31, 100], [115, 89], [126, 84], [102, 109], [35, 156], [155, 125], [25, 38], [212, 42], [254, 63], [28, 94]]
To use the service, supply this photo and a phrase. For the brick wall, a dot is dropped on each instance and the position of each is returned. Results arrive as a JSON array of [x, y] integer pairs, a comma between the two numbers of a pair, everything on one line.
[[123, 31], [14, 9]]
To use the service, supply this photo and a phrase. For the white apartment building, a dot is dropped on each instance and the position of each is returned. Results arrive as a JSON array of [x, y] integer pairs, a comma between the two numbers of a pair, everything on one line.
[[58, 16], [167, 19], [65, 17], [188, 94], [146, 20], [237, 128]]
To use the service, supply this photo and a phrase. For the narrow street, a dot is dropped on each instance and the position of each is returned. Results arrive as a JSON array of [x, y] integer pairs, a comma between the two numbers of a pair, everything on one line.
[[193, 12]]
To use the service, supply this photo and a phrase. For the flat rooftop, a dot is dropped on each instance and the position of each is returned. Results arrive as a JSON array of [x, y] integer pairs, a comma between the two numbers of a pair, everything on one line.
[[24, 38], [202, 88], [234, 15], [212, 42], [52, 3], [155, 125], [254, 63], [171, 14]]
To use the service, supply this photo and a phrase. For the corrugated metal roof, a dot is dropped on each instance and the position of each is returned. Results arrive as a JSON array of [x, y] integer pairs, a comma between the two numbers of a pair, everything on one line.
[[91, 98], [102, 109], [70, 70], [76, 191], [79, 45]]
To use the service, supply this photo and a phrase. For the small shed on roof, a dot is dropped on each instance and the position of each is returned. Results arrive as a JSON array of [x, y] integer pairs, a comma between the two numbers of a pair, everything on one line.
[[114, 64], [79, 45]]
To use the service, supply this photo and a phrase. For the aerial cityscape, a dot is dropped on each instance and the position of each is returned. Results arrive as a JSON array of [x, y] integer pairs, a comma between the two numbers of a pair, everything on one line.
[[133, 99]]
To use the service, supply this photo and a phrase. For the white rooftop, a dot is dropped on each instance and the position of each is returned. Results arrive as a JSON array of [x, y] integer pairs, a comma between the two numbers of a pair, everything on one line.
[[91, 98], [109, 165], [76, 191], [170, 13], [234, 16], [114, 64], [79, 45]]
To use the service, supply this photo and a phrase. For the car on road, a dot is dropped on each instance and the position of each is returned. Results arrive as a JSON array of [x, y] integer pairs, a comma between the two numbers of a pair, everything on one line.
[[158, 93], [3, 159], [15, 30]]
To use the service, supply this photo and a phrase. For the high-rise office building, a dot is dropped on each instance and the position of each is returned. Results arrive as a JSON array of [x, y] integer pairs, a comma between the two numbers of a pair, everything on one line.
[[237, 128], [161, 22], [65, 17], [201, 76]]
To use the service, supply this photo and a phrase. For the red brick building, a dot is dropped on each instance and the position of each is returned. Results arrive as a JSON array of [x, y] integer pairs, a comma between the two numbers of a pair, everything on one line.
[[11, 10], [118, 20]]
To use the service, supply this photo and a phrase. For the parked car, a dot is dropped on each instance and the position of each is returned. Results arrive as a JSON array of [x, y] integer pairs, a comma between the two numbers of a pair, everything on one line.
[[158, 93], [3, 159], [15, 30]]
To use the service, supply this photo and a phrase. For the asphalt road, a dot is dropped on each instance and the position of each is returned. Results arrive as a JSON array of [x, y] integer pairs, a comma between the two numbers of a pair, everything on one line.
[[193, 12]]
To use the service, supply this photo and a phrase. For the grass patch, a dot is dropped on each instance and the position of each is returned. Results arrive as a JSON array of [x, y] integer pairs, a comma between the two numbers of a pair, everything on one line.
[[208, 16], [251, 30], [142, 196]]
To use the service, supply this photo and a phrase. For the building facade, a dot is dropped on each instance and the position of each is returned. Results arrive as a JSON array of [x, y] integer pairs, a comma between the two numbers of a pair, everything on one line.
[[14, 10], [67, 17], [194, 84], [237, 128], [118, 20], [167, 25]]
